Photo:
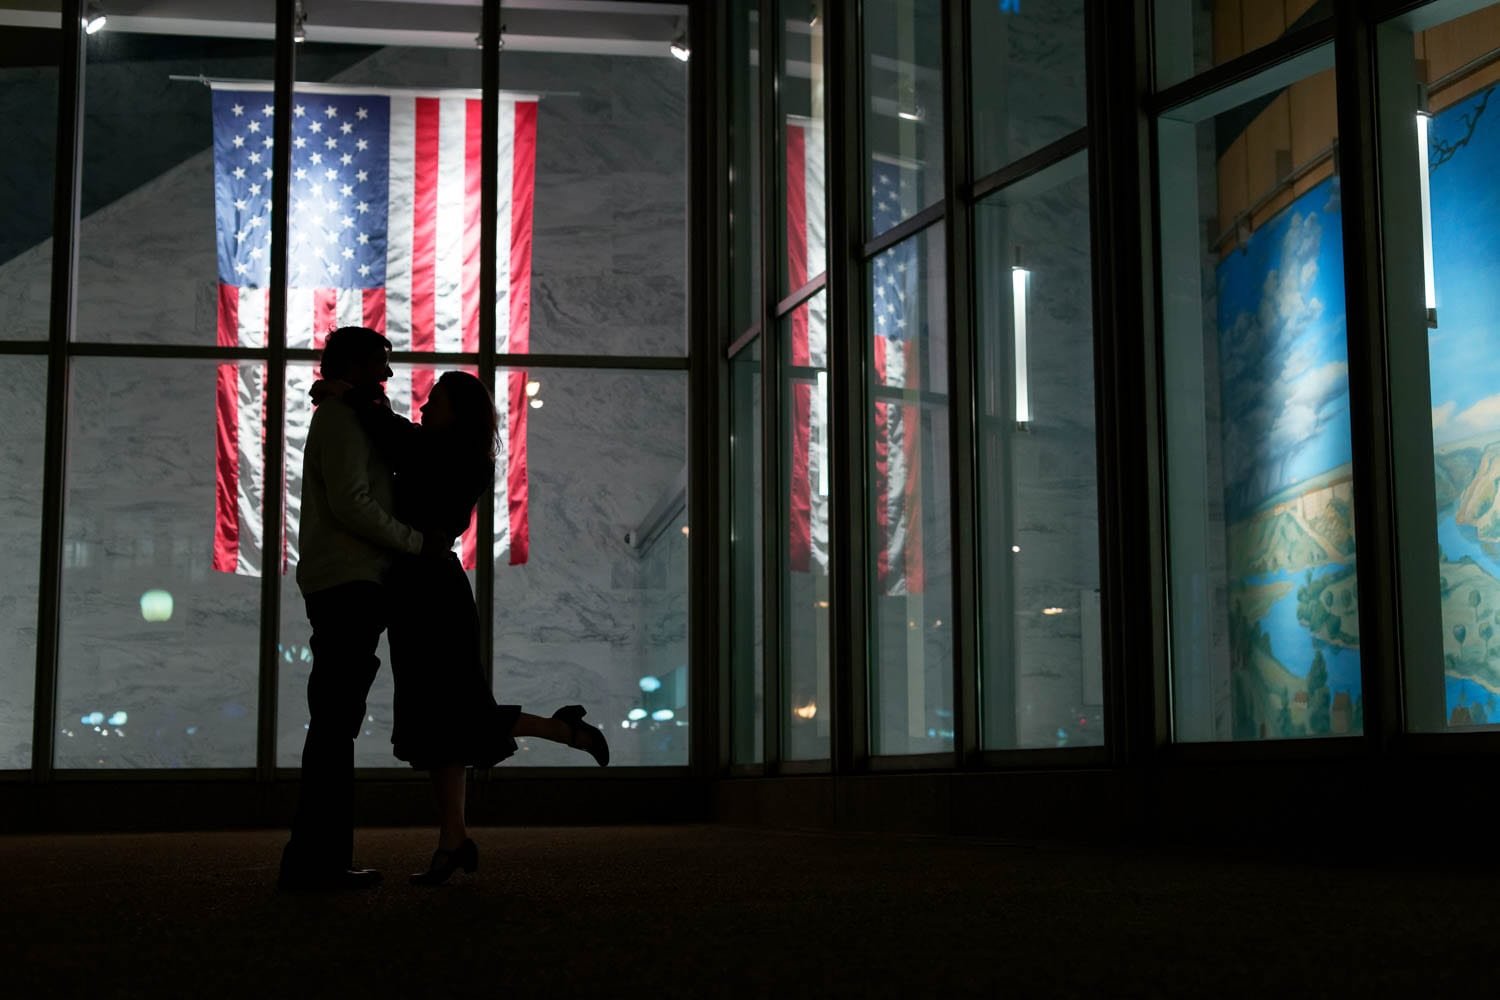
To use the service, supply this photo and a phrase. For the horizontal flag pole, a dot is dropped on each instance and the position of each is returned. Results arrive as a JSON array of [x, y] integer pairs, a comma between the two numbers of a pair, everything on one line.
[[266, 86]]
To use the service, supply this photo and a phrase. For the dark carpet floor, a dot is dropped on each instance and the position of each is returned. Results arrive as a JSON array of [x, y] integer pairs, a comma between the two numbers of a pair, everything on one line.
[[704, 911]]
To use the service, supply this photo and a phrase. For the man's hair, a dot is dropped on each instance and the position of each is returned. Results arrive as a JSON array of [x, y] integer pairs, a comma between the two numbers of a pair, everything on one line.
[[348, 347]]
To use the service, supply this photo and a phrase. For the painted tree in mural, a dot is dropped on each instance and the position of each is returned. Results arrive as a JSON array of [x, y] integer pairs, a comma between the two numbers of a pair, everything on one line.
[[1319, 701]]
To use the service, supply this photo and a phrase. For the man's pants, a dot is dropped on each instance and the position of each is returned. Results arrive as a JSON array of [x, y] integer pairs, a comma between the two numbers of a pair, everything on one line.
[[346, 624]]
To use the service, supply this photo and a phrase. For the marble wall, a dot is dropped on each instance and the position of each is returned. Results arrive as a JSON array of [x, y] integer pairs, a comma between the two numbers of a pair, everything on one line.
[[583, 621]]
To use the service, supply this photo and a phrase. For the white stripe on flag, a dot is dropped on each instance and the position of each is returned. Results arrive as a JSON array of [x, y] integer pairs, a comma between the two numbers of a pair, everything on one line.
[[399, 222], [815, 204], [299, 411], [502, 274], [449, 270], [351, 306], [398, 391], [299, 318], [252, 317], [249, 409], [502, 461]]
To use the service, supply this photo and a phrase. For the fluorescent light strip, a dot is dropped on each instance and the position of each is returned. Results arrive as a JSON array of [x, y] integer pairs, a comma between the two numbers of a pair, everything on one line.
[[1020, 282], [1429, 274]]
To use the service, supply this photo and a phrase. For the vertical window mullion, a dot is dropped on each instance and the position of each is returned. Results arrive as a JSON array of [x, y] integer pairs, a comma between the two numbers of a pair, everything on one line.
[[65, 210], [274, 466], [770, 378], [489, 222], [959, 217]]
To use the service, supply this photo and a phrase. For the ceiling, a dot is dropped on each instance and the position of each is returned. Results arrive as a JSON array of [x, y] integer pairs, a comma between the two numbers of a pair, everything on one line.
[[604, 27]]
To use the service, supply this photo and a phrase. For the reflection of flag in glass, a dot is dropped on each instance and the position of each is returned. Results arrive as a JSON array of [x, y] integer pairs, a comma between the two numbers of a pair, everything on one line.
[[808, 349], [384, 233], [895, 309]]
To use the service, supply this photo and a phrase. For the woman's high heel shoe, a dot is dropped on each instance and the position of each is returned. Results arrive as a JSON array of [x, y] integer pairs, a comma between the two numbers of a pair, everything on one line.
[[445, 863], [585, 737]]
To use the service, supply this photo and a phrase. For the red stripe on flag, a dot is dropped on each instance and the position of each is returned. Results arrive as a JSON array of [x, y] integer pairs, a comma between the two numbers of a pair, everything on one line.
[[229, 316], [515, 472], [226, 441], [911, 429], [882, 447], [325, 317], [800, 512], [468, 545], [473, 125], [523, 184], [424, 244], [374, 309]]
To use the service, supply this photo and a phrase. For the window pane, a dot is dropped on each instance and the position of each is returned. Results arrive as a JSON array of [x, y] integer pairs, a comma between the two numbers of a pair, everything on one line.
[[597, 612], [1265, 610], [1029, 79], [160, 628], [910, 518], [28, 127], [804, 214], [903, 108], [747, 725], [1195, 35], [1441, 177], [407, 390], [149, 184], [744, 174], [23, 396], [609, 250], [1042, 678], [385, 190], [805, 588]]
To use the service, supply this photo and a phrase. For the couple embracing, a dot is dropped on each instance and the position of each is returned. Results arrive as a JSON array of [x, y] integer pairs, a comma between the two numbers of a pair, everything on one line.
[[383, 500]]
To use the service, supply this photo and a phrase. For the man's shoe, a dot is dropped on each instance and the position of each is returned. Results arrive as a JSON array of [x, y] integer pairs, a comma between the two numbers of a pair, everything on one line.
[[328, 881]]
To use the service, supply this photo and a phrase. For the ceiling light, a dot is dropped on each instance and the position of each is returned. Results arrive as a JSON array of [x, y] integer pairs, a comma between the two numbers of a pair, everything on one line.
[[93, 19], [679, 48]]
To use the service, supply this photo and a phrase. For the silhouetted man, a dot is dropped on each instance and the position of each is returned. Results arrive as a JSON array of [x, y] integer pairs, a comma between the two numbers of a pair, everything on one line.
[[345, 541]]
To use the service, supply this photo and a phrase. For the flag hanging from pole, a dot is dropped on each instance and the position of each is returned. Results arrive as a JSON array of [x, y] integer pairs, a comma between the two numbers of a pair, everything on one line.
[[383, 233]]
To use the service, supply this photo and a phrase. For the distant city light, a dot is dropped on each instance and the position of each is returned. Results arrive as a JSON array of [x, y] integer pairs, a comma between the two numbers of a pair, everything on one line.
[[156, 605]]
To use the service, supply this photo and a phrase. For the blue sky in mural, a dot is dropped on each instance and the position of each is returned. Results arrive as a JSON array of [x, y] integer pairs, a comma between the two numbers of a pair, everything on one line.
[[1283, 353], [1464, 349]]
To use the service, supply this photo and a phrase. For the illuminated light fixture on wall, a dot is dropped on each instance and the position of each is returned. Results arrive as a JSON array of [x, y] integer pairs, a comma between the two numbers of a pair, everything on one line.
[[679, 47], [156, 606], [1020, 300], [533, 387], [635, 714], [808, 711], [94, 19], [1424, 170], [299, 24], [536, 404], [650, 683], [663, 715]]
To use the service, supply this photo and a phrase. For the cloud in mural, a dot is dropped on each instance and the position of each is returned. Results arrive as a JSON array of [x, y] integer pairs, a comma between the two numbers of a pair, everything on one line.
[[1285, 378], [1483, 416]]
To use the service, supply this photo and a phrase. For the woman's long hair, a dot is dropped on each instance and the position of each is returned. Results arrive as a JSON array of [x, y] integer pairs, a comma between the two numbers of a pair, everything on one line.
[[476, 424]]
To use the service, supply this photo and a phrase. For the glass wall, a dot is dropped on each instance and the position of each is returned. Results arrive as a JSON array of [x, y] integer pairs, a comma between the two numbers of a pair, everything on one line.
[[805, 590], [23, 390], [801, 90], [1042, 679], [903, 109], [160, 648], [909, 512], [747, 560], [1438, 74], [594, 609], [29, 58], [1195, 35], [1266, 604], [1028, 79], [744, 168]]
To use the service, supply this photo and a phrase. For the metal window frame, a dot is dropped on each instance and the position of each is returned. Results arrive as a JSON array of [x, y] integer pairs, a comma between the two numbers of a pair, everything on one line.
[[61, 350]]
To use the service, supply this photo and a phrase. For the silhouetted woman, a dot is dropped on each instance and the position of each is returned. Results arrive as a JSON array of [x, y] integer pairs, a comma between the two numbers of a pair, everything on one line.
[[446, 718]]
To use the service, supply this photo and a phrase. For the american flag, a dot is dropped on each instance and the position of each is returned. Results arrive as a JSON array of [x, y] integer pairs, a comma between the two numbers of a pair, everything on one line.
[[806, 251], [899, 320], [384, 233]]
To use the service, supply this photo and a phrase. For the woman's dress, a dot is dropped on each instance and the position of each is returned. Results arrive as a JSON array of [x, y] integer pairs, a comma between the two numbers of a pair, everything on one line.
[[445, 712]]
